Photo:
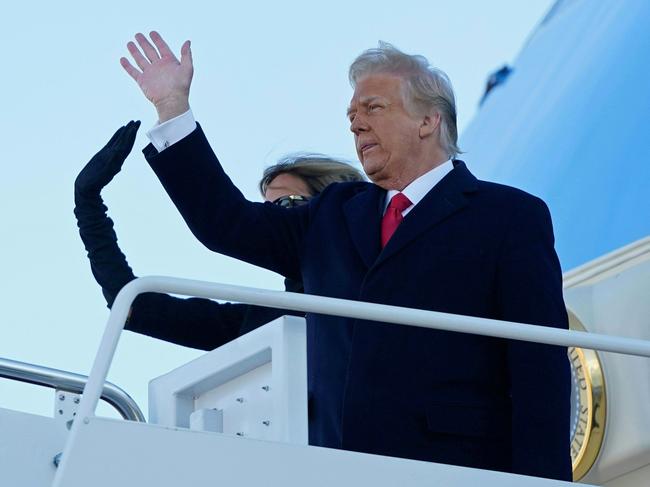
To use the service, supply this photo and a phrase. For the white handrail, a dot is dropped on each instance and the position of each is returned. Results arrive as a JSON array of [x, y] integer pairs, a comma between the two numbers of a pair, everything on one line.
[[322, 305]]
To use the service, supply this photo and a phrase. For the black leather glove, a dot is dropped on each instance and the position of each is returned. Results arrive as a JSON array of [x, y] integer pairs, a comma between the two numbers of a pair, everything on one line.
[[107, 262]]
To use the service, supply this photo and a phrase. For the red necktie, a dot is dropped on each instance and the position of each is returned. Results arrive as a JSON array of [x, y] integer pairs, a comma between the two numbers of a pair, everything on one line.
[[393, 217]]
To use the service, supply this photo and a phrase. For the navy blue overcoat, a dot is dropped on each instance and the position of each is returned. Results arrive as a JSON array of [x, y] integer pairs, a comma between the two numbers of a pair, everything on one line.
[[469, 247]]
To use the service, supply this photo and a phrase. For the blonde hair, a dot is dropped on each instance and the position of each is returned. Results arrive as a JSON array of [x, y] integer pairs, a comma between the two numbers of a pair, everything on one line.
[[317, 171]]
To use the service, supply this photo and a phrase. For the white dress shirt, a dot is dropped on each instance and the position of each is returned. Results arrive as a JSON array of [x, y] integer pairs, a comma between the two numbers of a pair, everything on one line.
[[421, 186], [168, 133]]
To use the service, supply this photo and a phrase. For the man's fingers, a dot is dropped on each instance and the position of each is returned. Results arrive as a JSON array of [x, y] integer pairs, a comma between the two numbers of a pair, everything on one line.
[[149, 50], [186, 55], [139, 59], [162, 46], [128, 67]]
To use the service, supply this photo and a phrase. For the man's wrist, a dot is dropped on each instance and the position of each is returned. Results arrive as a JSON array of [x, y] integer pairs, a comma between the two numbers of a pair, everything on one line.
[[171, 108]]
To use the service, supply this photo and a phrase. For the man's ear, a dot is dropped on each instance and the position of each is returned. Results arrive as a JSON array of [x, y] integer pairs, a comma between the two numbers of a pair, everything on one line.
[[430, 124]]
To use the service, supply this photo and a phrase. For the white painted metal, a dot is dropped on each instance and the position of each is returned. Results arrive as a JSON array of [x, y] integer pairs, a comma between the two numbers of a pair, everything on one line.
[[318, 304], [610, 295], [65, 405], [98, 458], [247, 406], [207, 419], [636, 478], [613, 262], [28, 445], [258, 381]]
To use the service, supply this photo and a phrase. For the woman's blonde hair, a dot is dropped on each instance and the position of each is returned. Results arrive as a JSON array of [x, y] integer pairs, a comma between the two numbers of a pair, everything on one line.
[[317, 171]]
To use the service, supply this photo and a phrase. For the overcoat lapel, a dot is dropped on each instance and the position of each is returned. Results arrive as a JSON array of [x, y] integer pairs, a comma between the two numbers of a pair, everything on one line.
[[363, 214], [443, 200]]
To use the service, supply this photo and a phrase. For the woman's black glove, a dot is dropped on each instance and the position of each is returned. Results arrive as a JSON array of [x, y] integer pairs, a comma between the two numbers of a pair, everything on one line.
[[107, 262]]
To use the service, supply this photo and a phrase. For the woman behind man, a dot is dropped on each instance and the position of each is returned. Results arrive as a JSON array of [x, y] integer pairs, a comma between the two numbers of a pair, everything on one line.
[[194, 322]]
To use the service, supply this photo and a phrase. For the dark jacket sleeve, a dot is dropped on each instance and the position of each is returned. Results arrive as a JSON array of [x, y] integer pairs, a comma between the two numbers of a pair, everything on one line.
[[195, 322], [530, 291], [107, 262], [217, 213]]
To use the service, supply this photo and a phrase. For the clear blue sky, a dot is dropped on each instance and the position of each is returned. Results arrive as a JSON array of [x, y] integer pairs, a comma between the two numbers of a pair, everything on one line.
[[269, 79]]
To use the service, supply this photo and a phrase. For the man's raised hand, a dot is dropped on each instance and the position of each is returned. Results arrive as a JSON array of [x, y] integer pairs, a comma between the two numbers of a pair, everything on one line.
[[163, 79]]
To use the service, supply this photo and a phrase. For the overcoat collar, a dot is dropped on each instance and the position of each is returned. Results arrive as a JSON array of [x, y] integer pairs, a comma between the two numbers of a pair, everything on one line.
[[363, 214]]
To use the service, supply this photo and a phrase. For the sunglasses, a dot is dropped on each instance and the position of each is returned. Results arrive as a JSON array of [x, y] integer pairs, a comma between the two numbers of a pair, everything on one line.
[[291, 201]]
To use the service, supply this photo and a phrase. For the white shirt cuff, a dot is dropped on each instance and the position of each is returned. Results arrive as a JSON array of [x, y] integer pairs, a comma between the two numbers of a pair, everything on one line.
[[162, 135]]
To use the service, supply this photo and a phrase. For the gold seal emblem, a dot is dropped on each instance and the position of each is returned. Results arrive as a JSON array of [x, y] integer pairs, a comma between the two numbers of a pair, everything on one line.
[[588, 405]]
